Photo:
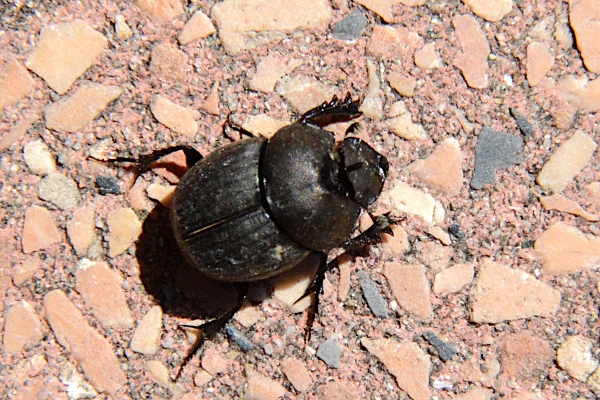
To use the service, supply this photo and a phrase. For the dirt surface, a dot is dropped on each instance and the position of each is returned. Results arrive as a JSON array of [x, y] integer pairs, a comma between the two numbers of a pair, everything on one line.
[[486, 110]]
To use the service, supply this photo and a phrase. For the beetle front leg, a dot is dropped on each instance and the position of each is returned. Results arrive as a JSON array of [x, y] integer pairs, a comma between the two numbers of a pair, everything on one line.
[[192, 156], [332, 112]]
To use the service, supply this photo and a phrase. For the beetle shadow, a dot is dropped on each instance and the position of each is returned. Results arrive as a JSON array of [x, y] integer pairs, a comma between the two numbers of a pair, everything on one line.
[[180, 289]]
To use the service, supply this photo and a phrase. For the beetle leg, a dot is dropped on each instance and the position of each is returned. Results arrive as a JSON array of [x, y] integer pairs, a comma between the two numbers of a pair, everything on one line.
[[210, 328], [381, 224], [192, 156], [334, 111]]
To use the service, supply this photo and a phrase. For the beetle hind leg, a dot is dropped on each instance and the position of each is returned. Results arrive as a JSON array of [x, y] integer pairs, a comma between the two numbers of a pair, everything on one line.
[[331, 112], [210, 328]]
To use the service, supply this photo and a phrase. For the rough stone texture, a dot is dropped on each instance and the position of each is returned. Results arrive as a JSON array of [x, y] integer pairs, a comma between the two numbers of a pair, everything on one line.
[[122, 30], [17, 131], [580, 92], [373, 295], [397, 243], [262, 388], [575, 357], [445, 350], [60, 191], [584, 16], [410, 288], [246, 24], [393, 42], [406, 361], [161, 11], [490, 10], [296, 372], [72, 113], [92, 351], [124, 228], [539, 62], [213, 362], [330, 352], [173, 116], [427, 57], [473, 61], [401, 123], [39, 230], [504, 293], [565, 249], [562, 204], [495, 150], [383, 8], [351, 27], [160, 374], [291, 285], [198, 27], [146, 338], [476, 393], [442, 168], [566, 162], [15, 83], [270, 70], [81, 229], [102, 291], [38, 158], [404, 85], [440, 235], [405, 199], [25, 270], [453, 279], [169, 63], [263, 125], [525, 356], [64, 52], [21, 328], [304, 93]]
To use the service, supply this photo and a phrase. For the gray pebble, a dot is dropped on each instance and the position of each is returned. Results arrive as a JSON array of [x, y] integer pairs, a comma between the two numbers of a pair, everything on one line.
[[494, 150], [351, 27], [236, 336], [375, 300], [59, 190], [107, 185], [445, 350], [524, 126], [330, 351]]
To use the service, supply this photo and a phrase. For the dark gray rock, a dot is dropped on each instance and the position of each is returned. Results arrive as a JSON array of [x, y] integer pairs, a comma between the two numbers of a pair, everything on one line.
[[375, 299], [330, 352], [351, 27], [445, 350], [494, 150], [107, 185], [524, 126], [236, 336]]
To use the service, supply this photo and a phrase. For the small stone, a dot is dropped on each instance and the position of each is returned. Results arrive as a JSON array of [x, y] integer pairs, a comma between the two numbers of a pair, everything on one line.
[[583, 17], [38, 158], [201, 378], [494, 150], [372, 105], [198, 27], [93, 352], [539, 62], [440, 235], [169, 63], [213, 363], [161, 193], [15, 83], [330, 352], [476, 49], [383, 8], [64, 52], [433, 255], [18, 131], [74, 112], [76, 383], [525, 356], [248, 315], [566, 162], [565, 249], [238, 337], [490, 10], [394, 42], [351, 27], [246, 24], [102, 292], [297, 373], [146, 338], [524, 125], [575, 357], [270, 70], [405, 199], [406, 361], [396, 243], [304, 93], [211, 104], [39, 230], [26, 270], [122, 30], [372, 294], [124, 227], [161, 11], [580, 93], [289, 286], [160, 374], [21, 328], [594, 380], [504, 293], [445, 350], [263, 125], [401, 123], [410, 288], [404, 85], [107, 185], [81, 229], [562, 204], [442, 168], [262, 388], [344, 262], [60, 191], [427, 57], [173, 116], [453, 279], [476, 393]]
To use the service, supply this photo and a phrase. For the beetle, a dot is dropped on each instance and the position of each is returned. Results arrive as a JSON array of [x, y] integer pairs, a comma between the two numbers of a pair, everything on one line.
[[258, 207]]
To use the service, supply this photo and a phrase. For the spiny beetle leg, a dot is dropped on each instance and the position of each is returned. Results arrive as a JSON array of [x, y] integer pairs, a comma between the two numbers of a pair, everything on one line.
[[210, 328], [192, 156], [332, 112]]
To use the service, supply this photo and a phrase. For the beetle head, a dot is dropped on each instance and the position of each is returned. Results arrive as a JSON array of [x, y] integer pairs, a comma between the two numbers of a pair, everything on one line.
[[365, 169]]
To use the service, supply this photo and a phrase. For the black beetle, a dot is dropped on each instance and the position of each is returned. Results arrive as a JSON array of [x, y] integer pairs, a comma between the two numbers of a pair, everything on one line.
[[258, 207]]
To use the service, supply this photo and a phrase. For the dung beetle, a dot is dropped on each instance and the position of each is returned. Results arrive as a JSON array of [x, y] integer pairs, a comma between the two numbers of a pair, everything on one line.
[[258, 207]]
